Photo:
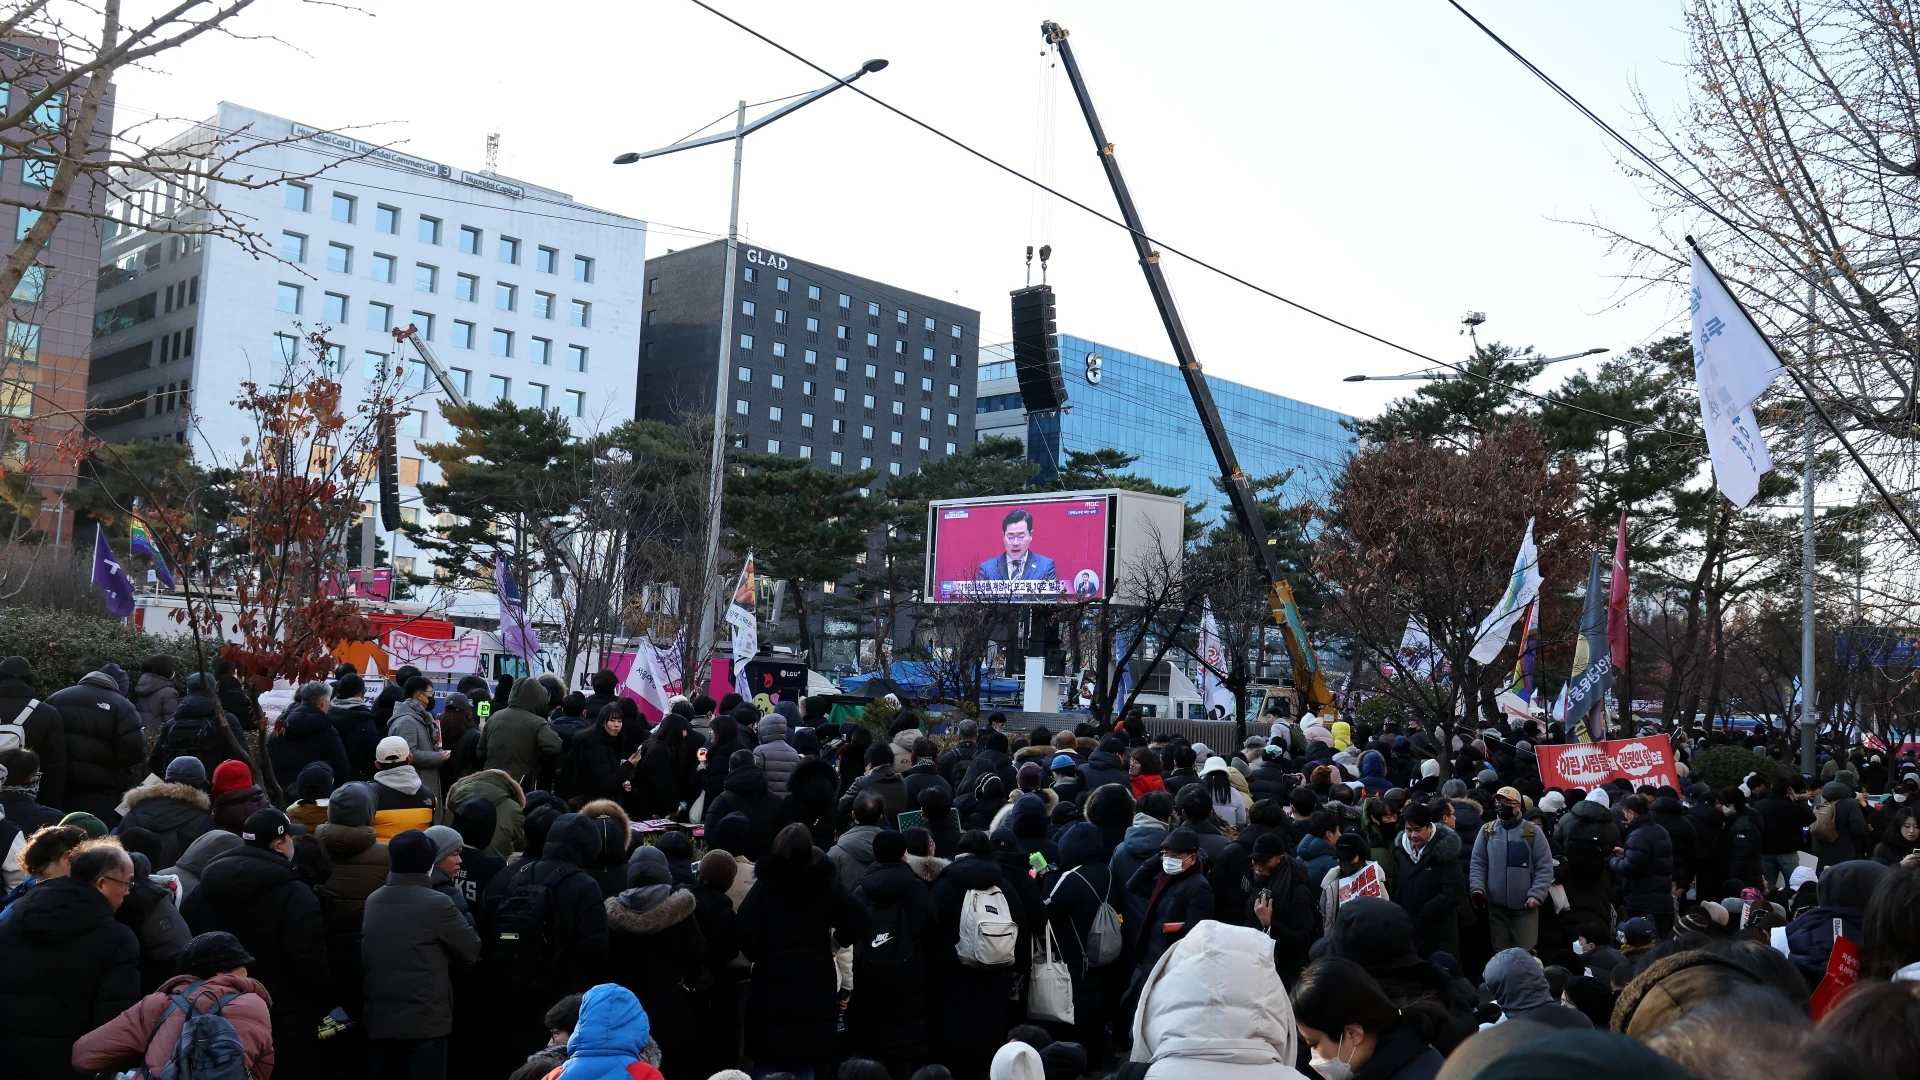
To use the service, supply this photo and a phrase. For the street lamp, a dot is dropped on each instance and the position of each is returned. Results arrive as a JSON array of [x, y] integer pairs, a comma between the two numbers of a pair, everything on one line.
[[741, 129], [1423, 376]]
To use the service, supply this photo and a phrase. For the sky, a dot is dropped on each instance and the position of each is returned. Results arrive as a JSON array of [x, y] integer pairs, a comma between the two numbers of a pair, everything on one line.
[[1383, 163]]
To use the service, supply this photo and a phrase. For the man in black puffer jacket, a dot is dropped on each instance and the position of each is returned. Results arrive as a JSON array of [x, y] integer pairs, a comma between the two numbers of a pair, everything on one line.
[[200, 728], [72, 967], [1686, 847], [176, 810], [745, 792], [1105, 765], [305, 734], [1645, 866], [105, 744], [577, 931], [254, 893], [20, 704]]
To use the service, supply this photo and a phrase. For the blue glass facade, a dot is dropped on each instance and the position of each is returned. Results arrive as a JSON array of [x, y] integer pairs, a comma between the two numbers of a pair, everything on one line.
[[1140, 406]]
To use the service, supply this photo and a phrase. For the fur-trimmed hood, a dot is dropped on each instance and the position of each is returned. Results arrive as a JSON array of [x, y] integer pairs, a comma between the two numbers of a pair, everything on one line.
[[607, 808], [624, 919], [185, 793], [927, 867]]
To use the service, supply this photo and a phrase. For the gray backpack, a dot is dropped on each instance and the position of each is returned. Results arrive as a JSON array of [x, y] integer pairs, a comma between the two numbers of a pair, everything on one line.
[[1103, 942]]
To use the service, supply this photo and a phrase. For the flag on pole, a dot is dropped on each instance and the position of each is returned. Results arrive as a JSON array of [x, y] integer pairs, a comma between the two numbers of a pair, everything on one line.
[[1586, 708], [140, 542], [1121, 647], [1733, 365], [516, 637], [1522, 683], [1213, 665], [643, 677], [1617, 599], [111, 576], [1523, 586], [746, 628], [1417, 656]]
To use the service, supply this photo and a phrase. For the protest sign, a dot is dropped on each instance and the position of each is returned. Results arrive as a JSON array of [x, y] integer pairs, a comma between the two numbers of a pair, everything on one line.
[[1647, 761]]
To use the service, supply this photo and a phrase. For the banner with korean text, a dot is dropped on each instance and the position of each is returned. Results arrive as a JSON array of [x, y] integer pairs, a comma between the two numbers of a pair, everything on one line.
[[1647, 761]]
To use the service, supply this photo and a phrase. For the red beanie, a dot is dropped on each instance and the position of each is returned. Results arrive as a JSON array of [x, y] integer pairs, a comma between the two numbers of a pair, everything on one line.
[[231, 776]]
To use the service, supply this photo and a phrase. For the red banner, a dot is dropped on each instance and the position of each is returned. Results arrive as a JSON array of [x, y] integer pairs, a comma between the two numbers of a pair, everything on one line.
[[1843, 970], [1647, 761]]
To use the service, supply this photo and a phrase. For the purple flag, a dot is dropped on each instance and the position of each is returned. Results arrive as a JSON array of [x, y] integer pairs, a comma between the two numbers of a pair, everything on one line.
[[516, 637], [111, 576]]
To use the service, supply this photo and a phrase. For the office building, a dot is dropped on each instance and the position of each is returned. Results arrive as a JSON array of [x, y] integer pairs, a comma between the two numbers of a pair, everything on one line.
[[1140, 406], [842, 370], [43, 370], [523, 294]]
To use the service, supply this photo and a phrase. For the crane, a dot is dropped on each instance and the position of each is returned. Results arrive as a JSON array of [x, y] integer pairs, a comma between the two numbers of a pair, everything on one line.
[[1306, 666], [412, 334]]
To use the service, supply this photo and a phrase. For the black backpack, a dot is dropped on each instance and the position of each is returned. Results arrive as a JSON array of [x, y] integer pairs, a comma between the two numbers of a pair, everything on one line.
[[1587, 851], [962, 758], [520, 945], [885, 958], [190, 736]]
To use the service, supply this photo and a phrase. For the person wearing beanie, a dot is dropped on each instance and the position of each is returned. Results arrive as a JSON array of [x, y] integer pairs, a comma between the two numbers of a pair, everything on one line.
[[717, 1022], [402, 799], [310, 790], [187, 769], [360, 865], [474, 820], [657, 950], [176, 810], [255, 893], [889, 1024], [235, 796], [731, 834], [412, 937], [213, 966], [86, 823], [447, 848]]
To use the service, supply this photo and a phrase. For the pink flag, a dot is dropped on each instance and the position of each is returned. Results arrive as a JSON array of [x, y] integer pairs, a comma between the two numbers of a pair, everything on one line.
[[1617, 599]]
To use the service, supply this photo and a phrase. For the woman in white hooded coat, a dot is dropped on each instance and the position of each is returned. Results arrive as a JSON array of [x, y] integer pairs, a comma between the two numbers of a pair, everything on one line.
[[1213, 1008]]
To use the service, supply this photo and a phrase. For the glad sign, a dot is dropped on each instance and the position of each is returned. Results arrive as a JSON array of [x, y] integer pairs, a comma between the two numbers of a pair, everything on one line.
[[1588, 765]]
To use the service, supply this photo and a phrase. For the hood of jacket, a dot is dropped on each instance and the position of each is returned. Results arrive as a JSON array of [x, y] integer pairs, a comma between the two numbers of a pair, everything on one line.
[[101, 680], [206, 848], [1313, 847], [772, 728], [149, 684], [889, 882], [195, 704], [1835, 790], [401, 778], [528, 695], [1105, 759], [1515, 980], [1144, 837], [1849, 884], [1216, 998], [489, 784], [815, 783], [1109, 805], [1444, 847], [1080, 844], [246, 874], [170, 805], [926, 867], [303, 721], [643, 910], [748, 782], [1591, 810], [973, 872], [345, 842], [59, 909], [573, 839], [612, 1026], [1372, 764]]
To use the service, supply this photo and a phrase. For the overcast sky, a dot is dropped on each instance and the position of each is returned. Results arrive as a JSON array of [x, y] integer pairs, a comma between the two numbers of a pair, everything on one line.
[[1384, 163]]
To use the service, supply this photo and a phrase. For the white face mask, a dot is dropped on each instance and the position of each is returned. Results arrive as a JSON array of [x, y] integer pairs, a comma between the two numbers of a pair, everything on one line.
[[1172, 864], [1331, 1068]]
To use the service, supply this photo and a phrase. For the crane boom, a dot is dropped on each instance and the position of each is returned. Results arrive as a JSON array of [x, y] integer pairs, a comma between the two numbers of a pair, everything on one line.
[[1246, 509], [412, 334]]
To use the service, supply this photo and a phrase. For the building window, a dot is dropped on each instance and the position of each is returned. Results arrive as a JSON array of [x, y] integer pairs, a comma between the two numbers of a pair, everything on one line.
[[502, 342], [813, 292], [423, 322], [899, 408], [893, 468], [748, 274], [743, 374], [499, 388], [653, 286], [926, 413], [813, 325], [741, 407], [510, 251], [866, 462], [466, 287], [373, 365], [536, 396], [834, 458], [812, 357], [839, 363], [575, 403], [23, 343], [929, 324], [543, 305], [746, 341], [340, 258], [287, 298], [780, 316], [383, 268], [343, 208], [952, 420], [779, 348], [949, 448], [334, 308], [299, 197], [866, 431], [873, 310], [806, 452], [293, 247], [469, 240], [386, 219], [840, 394], [285, 346], [462, 379], [429, 230], [773, 446], [380, 317], [894, 437], [873, 341], [747, 308], [900, 379], [781, 284], [953, 390], [462, 334], [504, 296], [33, 287], [774, 412], [900, 316], [926, 385], [576, 358], [806, 387], [866, 400], [924, 444], [583, 269], [777, 380], [955, 329], [899, 347], [581, 313], [24, 222], [541, 352], [425, 278], [414, 424], [926, 354], [872, 371], [544, 261]]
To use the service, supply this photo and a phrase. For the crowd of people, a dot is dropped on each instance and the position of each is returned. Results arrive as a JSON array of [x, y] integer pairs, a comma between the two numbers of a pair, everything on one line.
[[515, 880]]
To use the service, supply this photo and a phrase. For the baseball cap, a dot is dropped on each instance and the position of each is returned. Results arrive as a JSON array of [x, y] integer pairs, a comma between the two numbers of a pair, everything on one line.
[[263, 827], [391, 750], [1638, 931], [1507, 793]]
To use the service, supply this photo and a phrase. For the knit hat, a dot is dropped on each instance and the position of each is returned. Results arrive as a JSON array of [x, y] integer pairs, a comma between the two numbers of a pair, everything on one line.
[[1267, 846], [86, 823], [1031, 777], [265, 827], [186, 769], [446, 841], [1181, 842], [476, 819], [1350, 846], [647, 866], [231, 776], [889, 847], [410, 852], [314, 782], [1063, 763], [391, 750], [211, 953], [351, 806], [718, 869]]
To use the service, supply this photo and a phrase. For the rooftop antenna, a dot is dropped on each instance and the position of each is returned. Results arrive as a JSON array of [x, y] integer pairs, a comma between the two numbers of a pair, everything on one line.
[[1046, 252], [1029, 264], [493, 153]]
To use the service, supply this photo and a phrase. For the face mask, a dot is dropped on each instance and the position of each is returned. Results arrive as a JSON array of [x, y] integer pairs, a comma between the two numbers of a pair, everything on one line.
[[1509, 815], [1172, 864], [1332, 1068]]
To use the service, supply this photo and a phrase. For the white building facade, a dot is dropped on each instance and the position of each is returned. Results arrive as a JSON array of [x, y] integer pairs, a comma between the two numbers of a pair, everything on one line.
[[522, 293]]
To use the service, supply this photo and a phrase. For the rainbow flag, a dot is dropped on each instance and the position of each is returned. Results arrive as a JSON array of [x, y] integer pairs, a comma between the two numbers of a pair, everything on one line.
[[140, 542], [1522, 683]]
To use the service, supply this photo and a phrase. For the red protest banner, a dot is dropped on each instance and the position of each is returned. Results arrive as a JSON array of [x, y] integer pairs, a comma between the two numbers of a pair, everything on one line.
[[1646, 761], [1843, 969], [1366, 882]]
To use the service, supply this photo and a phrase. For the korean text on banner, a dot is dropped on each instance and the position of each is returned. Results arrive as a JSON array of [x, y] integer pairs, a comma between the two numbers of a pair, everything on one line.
[[1733, 365], [1647, 761]]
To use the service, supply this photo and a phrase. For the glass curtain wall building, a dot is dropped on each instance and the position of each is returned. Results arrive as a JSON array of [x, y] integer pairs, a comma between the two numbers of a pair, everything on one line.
[[1140, 406]]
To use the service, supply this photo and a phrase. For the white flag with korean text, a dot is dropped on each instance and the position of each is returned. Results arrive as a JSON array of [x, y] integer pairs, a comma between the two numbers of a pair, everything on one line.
[[1733, 365]]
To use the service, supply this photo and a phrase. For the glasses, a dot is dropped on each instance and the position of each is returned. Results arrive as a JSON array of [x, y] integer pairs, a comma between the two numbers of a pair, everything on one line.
[[126, 884]]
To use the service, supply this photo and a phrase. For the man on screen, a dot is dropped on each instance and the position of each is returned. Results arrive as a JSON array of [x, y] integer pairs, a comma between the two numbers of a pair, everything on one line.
[[1019, 562]]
